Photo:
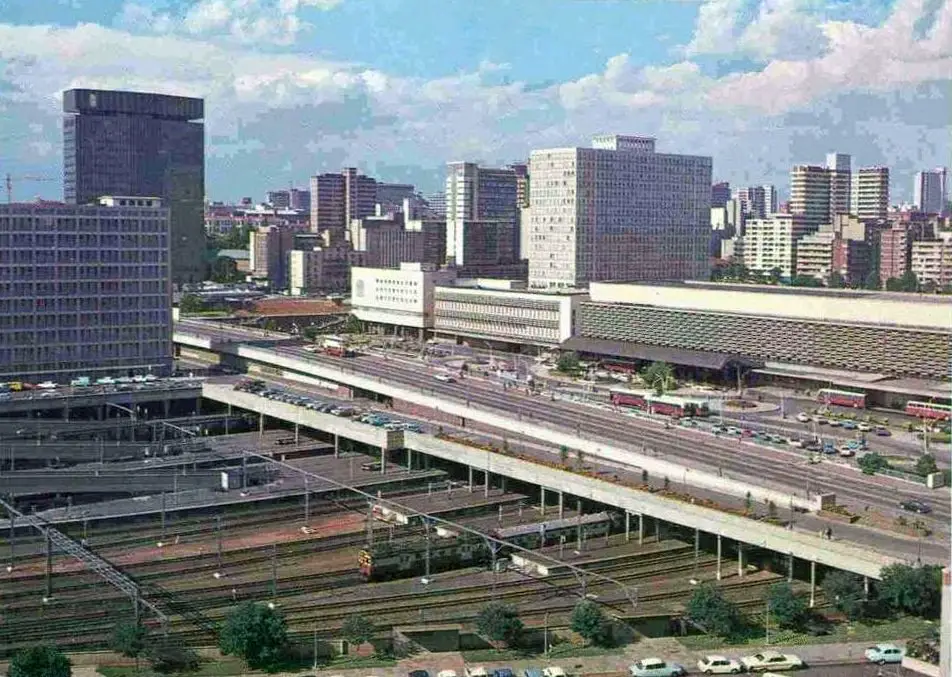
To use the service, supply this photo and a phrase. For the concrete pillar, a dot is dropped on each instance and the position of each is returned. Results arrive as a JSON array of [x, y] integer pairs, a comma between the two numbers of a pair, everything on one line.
[[409, 459], [945, 626], [260, 425], [470, 469], [641, 529], [697, 546], [13, 540], [486, 483], [812, 584], [198, 406], [49, 565], [790, 568], [502, 483], [297, 433], [740, 559], [167, 405], [542, 500], [307, 502], [100, 412], [719, 551], [65, 413], [627, 526], [383, 461], [865, 588], [336, 445]]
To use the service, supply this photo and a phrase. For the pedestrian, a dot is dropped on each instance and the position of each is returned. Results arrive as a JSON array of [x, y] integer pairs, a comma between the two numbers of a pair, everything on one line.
[[829, 534]]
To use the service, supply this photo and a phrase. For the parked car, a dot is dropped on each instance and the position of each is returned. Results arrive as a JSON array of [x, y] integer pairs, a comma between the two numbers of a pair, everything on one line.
[[916, 506], [718, 665], [834, 423], [553, 671], [883, 431], [803, 418], [655, 667], [864, 427], [476, 671], [532, 672], [849, 425], [884, 653], [794, 442], [446, 673], [503, 672], [771, 660], [418, 673]]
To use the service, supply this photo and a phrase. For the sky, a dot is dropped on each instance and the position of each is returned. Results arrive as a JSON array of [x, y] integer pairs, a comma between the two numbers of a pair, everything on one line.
[[398, 88]]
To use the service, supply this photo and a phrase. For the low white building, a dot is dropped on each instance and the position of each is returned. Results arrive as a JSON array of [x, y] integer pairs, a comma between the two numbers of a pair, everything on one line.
[[400, 297], [502, 311]]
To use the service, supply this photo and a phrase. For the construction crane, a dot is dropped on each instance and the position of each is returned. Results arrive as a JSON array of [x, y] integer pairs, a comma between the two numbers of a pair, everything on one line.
[[10, 179]]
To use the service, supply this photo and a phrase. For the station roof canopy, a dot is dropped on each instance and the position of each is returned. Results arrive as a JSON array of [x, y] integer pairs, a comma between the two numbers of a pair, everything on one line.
[[641, 351]]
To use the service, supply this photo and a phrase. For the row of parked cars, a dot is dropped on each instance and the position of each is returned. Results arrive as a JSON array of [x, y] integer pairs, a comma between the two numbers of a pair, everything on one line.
[[845, 423], [261, 389], [848, 448]]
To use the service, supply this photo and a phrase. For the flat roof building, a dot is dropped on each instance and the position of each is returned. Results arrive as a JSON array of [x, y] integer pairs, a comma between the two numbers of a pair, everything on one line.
[[400, 297], [85, 289], [138, 143]]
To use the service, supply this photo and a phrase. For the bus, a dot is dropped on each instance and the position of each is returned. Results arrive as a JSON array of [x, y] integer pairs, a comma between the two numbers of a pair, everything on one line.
[[665, 405], [843, 398], [940, 412]]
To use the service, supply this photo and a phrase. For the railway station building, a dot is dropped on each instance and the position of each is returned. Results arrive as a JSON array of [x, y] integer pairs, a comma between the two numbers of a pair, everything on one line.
[[894, 345]]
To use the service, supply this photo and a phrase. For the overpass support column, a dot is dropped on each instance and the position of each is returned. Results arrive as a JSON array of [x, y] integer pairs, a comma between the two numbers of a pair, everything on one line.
[[790, 568], [49, 565], [718, 557], [383, 460], [260, 425], [198, 406], [740, 559], [627, 526], [561, 505], [297, 434], [502, 483], [641, 528], [100, 412], [410, 459], [486, 483], [812, 584], [336, 445], [13, 541], [865, 588], [470, 469], [167, 405]]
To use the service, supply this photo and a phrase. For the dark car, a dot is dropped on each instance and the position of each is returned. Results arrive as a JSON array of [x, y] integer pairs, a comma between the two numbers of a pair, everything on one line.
[[503, 672], [418, 673], [883, 432], [916, 506]]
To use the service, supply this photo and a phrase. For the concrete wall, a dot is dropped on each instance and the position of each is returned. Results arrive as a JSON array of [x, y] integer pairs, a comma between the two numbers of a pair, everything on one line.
[[838, 306]]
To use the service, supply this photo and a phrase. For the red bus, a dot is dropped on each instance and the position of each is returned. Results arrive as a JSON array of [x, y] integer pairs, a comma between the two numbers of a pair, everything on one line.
[[843, 398], [940, 412], [623, 399], [664, 405]]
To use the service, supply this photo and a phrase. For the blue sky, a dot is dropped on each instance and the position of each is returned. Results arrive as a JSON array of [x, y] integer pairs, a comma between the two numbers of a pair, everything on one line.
[[400, 87]]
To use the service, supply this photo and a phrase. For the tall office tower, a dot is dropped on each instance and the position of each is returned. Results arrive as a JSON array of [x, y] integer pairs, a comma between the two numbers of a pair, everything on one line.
[[360, 195], [840, 167], [140, 144], [930, 190], [770, 199], [753, 201], [720, 194], [278, 199], [390, 196], [870, 194], [475, 193], [810, 194], [85, 289], [617, 211], [300, 200], [328, 195], [894, 250], [268, 248]]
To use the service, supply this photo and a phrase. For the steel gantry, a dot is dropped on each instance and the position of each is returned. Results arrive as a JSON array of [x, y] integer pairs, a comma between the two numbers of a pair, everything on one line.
[[94, 562]]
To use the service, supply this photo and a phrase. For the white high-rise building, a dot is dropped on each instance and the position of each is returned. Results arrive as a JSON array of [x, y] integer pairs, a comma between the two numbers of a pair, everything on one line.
[[930, 190], [772, 243], [771, 201], [617, 211], [870, 193], [810, 193]]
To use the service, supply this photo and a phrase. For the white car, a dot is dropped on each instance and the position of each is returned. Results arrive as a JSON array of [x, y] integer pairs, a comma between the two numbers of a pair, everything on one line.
[[553, 671], [794, 442], [46, 385], [445, 378], [834, 423], [478, 671], [719, 665], [803, 418], [864, 427], [771, 660], [446, 673]]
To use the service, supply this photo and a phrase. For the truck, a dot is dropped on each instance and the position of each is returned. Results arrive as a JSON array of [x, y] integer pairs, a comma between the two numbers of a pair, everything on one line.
[[336, 346]]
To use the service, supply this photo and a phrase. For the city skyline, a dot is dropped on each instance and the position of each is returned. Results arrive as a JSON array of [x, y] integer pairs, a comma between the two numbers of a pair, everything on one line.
[[759, 86]]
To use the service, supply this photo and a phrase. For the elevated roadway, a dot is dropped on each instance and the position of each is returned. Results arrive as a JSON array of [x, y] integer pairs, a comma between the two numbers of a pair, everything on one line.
[[25, 483], [97, 396], [807, 546]]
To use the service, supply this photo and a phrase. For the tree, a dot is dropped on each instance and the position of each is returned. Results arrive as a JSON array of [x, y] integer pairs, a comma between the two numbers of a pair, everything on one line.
[[930, 287], [785, 607], [644, 477], [893, 284], [909, 282], [667, 483], [130, 640], [579, 458], [914, 590], [40, 661], [775, 274], [352, 325], [168, 655], [748, 502], [590, 623], [660, 376], [836, 281], [926, 464], [563, 454], [872, 281], [190, 303], [844, 590], [568, 363], [358, 629], [255, 632], [713, 612], [224, 269], [872, 463], [805, 281], [499, 623]]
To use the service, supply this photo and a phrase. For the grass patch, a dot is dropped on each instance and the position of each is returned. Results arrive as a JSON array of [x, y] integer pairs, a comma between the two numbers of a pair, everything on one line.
[[223, 667], [348, 662], [863, 631]]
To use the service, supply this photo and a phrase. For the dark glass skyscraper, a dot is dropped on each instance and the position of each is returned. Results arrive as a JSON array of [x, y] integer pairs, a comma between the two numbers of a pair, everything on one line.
[[141, 144]]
